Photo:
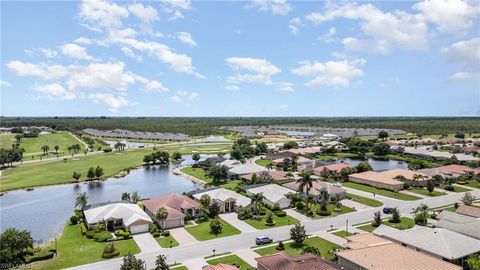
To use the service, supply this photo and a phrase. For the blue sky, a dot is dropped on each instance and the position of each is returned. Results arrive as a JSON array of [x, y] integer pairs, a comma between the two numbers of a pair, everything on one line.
[[249, 58]]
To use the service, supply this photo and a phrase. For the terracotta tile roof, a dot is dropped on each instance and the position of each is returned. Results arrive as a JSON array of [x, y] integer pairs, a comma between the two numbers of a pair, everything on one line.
[[174, 204], [376, 177], [408, 174], [365, 240], [220, 266], [306, 150], [393, 257], [300, 160], [317, 185], [283, 261], [468, 211], [276, 175], [332, 167]]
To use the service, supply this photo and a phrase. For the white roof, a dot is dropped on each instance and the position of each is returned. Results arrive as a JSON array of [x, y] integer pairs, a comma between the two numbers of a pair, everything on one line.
[[271, 192], [223, 194], [442, 242], [128, 212], [249, 167], [459, 223]]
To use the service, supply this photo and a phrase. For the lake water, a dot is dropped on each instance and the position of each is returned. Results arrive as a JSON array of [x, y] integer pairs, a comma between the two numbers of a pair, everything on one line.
[[377, 164], [296, 133], [45, 210]]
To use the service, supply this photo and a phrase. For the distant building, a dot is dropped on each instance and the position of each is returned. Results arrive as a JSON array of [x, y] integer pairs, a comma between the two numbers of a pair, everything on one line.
[[136, 135]]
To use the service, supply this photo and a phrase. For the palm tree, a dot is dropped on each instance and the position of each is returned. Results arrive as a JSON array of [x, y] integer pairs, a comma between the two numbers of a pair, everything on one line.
[[56, 147], [324, 198], [418, 177], [305, 182], [257, 199], [294, 160], [162, 214], [135, 197], [81, 200]]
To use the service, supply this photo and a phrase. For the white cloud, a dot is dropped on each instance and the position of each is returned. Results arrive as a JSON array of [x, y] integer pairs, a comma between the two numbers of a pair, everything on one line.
[[182, 4], [41, 70], [72, 50], [101, 76], [151, 85], [186, 38], [55, 91], [83, 40], [466, 53], [182, 95], [329, 36], [285, 86], [102, 13], [147, 14], [5, 83], [284, 107], [129, 52], [113, 103], [47, 52], [331, 73], [460, 76], [276, 7], [372, 46], [176, 98], [449, 15], [258, 70], [176, 16], [294, 25], [174, 6]]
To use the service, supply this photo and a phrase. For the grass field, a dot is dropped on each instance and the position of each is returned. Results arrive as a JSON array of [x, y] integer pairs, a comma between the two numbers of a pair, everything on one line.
[[33, 146], [202, 232], [198, 173], [424, 192], [279, 221], [231, 259], [406, 223], [342, 234], [331, 209], [263, 162], [164, 242], [75, 249], [383, 192], [364, 200], [323, 245], [457, 188], [473, 184]]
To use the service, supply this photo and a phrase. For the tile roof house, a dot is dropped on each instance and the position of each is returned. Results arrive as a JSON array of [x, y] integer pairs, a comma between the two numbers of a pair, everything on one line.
[[408, 175], [177, 206], [229, 200], [439, 242], [118, 215], [274, 194], [376, 179], [220, 266], [465, 225], [452, 170], [319, 185], [302, 162], [276, 175], [375, 253], [237, 169], [331, 168], [283, 261], [468, 211]]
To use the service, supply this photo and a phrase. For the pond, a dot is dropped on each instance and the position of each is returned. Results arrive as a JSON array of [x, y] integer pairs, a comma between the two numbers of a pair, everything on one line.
[[378, 164], [44, 210], [296, 133]]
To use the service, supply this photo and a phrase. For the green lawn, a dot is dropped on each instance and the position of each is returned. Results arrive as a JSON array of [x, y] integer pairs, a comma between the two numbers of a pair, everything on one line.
[[336, 155], [331, 209], [75, 249], [473, 184], [164, 242], [323, 245], [406, 223], [424, 191], [383, 192], [279, 221], [181, 267], [263, 162], [202, 232], [457, 188], [364, 200], [198, 173], [231, 259], [342, 234], [33, 146]]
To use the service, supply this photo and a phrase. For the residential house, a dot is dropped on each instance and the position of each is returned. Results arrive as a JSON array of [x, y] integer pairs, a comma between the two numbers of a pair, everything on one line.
[[278, 176], [463, 224], [274, 195], [177, 206], [409, 176], [370, 252], [376, 179], [220, 266], [229, 200], [332, 168], [284, 261], [237, 169], [468, 210], [333, 191], [117, 215], [445, 244], [449, 171], [302, 163]]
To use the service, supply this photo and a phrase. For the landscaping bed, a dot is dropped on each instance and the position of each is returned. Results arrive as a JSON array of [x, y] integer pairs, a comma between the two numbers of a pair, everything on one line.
[[260, 221]]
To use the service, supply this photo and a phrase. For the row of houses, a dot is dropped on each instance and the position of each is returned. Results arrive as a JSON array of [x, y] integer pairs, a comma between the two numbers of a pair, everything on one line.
[[427, 152], [136, 135]]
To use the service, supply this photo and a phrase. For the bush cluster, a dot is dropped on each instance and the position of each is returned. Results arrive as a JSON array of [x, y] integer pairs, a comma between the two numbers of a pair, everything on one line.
[[102, 236], [280, 213], [39, 256]]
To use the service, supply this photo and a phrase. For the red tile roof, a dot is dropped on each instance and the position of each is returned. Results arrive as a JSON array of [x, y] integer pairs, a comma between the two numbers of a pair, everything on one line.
[[174, 204], [220, 266], [283, 261], [332, 167], [276, 175]]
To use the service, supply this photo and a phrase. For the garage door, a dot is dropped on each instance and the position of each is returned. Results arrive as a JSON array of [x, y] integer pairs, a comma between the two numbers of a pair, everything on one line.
[[173, 223], [139, 228]]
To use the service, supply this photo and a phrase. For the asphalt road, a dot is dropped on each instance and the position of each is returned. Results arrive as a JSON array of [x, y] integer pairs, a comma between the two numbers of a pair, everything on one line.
[[246, 240]]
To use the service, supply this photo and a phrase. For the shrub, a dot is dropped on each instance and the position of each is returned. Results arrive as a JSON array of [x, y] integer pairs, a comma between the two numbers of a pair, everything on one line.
[[433, 216], [107, 149], [295, 198], [280, 213], [156, 234], [83, 228], [310, 212], [300, 206], [73, 220], [153, 228], [269, 221], [99, 227], [322, 212], [456, 205], [110, 251], [126, 235], [90, 234], [449, 188], [102, 236], [39, 256], [119, 232], [263, 212], [406, 186], [166, 233], [280, 246]]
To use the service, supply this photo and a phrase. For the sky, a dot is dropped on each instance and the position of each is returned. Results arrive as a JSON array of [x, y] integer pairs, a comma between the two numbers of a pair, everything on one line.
[[240, 58]]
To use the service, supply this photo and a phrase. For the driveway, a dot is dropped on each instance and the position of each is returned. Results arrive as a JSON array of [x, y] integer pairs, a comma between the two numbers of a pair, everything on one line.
[[297, 215], [247, 255], [354, 204], [146, 242], [231, 218], [182, 236], [195, 264]]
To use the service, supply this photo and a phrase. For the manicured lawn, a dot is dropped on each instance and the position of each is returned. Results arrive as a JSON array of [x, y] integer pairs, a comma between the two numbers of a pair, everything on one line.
[[406, 223], [197, 172], [323, 245], [165, 241], [230, 184], [179, 267], [457, 189], [263, 162], [383, 192], [473, 184], [231, 259], [202, 232], [364, 200], [342, 234], [279, 221], [424, 191], [75, 249], [331, 209], [33, 146]]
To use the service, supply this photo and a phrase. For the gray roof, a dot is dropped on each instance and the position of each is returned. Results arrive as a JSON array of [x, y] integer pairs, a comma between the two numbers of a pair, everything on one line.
[[127, 134], [439, 241], [465, 225]]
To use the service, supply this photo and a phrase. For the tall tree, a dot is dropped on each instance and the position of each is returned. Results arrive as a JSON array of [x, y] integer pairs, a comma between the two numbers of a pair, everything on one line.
[[56, 147], [81, 200], [162, 214], [161, 263], [377, 219], [91, 173], [135, 197], [125, 196], [216, 226], [257, 200], [14, 245], [430, 186], [45, 149], [130, 262], [196, 157], [298, 234], [205, 201], [98, 172], [76, 176], [305, 182]]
